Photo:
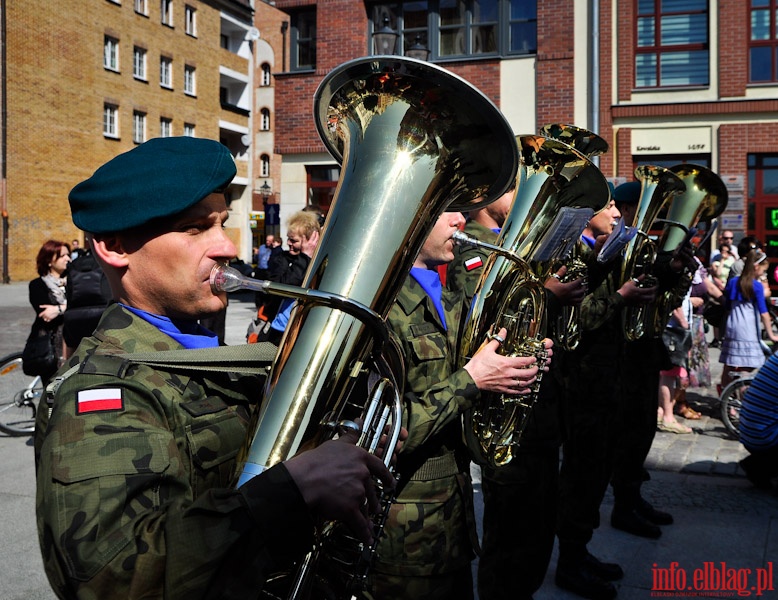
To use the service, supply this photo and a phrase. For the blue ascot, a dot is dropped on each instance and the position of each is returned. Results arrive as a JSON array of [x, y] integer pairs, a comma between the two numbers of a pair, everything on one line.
[[190, 334], [430, 283]]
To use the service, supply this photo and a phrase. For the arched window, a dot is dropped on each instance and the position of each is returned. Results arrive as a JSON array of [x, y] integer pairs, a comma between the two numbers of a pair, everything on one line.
[[264, 124], [265, 75], [265, 166]]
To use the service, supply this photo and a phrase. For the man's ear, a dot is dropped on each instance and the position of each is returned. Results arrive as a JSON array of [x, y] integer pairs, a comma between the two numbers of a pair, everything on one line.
[[110, 249]]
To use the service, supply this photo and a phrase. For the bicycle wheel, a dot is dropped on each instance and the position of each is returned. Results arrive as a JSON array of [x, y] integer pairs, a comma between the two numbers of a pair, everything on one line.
[[19, 396], [731, 402]]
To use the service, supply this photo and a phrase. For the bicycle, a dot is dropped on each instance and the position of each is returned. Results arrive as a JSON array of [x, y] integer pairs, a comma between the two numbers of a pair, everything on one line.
[[731, 401], [19, 397]]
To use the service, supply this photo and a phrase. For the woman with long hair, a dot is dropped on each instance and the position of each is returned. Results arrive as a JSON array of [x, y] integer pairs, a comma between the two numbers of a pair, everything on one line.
[[47, 292], [741, 349]]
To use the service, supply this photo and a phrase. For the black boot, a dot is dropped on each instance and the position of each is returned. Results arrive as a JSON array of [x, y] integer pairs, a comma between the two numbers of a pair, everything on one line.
[[578, 578], [608, 571], [657, 517], [631, 522]]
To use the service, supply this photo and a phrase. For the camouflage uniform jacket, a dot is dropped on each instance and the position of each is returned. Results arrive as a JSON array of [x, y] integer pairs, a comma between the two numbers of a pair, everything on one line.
[[430, 526], [133, 496], [464, 271]]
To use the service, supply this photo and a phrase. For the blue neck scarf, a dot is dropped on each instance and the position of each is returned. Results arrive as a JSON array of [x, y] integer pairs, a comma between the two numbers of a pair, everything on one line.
[[588, 241], [430, 283], [190, 334]]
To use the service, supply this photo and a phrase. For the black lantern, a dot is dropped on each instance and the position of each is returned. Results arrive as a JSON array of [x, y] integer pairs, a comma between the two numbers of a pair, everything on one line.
[[265, 190], [418, 50], [385, 39]]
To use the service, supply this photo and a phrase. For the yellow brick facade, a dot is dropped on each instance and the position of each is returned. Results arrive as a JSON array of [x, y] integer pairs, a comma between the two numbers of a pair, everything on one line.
[[57, 87]]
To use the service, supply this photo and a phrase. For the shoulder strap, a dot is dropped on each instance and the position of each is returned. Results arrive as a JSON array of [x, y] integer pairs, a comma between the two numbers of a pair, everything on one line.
[[251, 359]]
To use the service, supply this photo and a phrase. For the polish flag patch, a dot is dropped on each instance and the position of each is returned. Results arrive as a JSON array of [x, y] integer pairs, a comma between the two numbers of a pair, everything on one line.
[[101, 400], [473, 263]]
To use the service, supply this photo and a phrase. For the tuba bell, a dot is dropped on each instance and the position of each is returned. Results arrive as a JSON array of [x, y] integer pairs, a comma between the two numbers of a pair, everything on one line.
[[553, 177], [705, 198], [657, 186], [565, 329], [413, 140]]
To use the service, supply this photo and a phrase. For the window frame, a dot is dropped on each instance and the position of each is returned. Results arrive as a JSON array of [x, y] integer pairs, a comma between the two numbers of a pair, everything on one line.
[[266, 77], [502, 21], [770, 43], [138, 126], [166, 12], [659, 50], [110, 120], [190, 20], [190, 80], [264, 165], [142, 7], [296, 40], [166, 67], [264, 119], [139, 67], [111, 53], [190, 130], [165, 127]]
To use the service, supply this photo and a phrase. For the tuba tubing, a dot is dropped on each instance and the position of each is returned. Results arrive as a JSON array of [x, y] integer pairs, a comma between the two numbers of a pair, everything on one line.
[[413, 140]]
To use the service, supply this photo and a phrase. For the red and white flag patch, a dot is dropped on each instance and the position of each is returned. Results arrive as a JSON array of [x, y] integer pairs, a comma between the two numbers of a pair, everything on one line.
[[103, 399], [473, 263]]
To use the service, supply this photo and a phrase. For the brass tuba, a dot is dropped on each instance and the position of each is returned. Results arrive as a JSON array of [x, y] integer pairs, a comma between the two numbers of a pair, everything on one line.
[[413, 140], [552, 176], [565, 329], [705, 198], [658, 185]]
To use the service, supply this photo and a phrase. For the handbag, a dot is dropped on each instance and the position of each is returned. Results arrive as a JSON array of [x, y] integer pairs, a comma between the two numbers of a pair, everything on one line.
[[678, 342], [714, 312], [39, 356]]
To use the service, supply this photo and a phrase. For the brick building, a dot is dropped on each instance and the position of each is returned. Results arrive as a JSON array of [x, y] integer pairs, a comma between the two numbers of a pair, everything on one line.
[[662, 81], [85, 80]]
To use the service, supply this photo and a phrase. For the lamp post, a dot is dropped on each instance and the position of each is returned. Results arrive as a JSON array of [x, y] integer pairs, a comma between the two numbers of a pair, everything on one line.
[[385, 39]]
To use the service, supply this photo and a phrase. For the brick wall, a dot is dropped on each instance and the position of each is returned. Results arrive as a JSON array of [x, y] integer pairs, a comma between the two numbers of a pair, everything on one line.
[[56, 89], [555, 67]]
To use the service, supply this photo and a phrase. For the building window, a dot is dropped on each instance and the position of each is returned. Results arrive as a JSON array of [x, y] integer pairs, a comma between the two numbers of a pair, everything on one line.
[[110, 120], [460, 28], [264, 166], [190, 14], [111, 53], [142, 7], [138, 127], [672, 43], [264, 122], [189, 130], [763, 42], [166, 12], [189, 80], [303, 40], [139, 63], [166, 72], [165, 127], [763, 203], [322, 182], [265, 81]]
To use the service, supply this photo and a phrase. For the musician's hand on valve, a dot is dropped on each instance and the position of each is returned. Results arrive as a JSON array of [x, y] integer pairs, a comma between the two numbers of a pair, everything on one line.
[[569, 294], [634, 294], [683, 258], [493, 372], [336, 482]]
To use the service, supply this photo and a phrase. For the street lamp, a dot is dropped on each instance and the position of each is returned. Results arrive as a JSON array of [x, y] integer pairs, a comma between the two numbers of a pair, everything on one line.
[[385, 39], [265, 190], [418, 50]]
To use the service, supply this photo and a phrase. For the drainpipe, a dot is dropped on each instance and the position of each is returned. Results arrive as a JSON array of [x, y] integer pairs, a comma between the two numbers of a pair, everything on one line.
[[594, 88], [4, 142]]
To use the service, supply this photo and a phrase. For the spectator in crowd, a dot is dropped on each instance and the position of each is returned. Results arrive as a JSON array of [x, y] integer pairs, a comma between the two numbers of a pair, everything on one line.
[[759, 426]]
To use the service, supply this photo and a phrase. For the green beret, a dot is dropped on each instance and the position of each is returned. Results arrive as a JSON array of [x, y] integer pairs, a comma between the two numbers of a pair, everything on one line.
[[627, 193], [159, 178]]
